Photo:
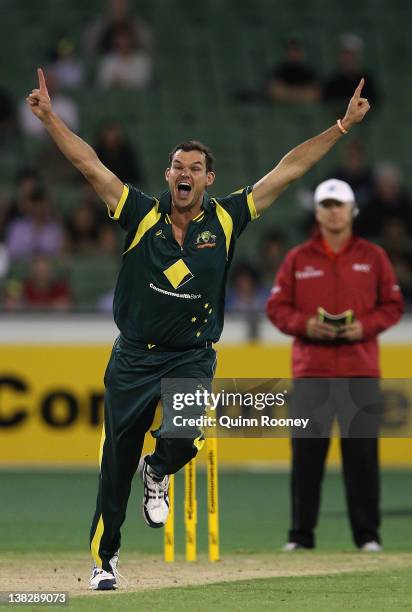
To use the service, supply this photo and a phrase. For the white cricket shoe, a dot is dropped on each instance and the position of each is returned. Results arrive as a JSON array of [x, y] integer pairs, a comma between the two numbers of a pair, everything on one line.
[[155, 504], [100, 580], [372, 546]]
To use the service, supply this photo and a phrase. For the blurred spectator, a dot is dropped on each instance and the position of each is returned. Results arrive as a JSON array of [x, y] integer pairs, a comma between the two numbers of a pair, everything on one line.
[[36, 231], [396, 240], [245, 293], [272, 253], [339, 87], [355, 171], [67, 69], [63, 106], [83, 223], [40, 289], [293, 80], [4, 261], [126, 65], [99, 37], [109, 247], [107, 241], [27, 182], [117, 154], [54, 167], [105, 302], [7, 116], [88, 232], [82, 229], [390, 201], [402, 264]]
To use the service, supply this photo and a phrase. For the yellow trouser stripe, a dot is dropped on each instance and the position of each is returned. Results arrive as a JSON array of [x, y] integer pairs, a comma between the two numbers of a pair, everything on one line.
[[120, 204], [102, 439], [145, 224], [226, 222], [95, 545]]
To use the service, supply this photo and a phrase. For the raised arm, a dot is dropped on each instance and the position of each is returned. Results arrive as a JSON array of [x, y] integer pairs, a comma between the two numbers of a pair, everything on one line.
[[301, 159], [78, 152]]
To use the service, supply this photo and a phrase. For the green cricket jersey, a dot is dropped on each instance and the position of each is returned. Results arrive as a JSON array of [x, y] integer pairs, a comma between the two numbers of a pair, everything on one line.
[[169, 296]]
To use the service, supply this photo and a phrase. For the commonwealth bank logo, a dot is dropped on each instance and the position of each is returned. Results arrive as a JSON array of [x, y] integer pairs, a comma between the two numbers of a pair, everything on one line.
[[178, 274]]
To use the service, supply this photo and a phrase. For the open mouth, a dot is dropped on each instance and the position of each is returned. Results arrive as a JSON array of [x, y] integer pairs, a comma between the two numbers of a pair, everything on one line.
[[184, 188]]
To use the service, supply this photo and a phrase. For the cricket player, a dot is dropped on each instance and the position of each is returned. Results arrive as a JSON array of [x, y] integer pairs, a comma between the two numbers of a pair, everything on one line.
[[168, 304]]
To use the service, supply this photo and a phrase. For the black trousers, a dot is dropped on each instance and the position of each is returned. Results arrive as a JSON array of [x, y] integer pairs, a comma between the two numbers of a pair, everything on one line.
[[357, 405], [133, 390]]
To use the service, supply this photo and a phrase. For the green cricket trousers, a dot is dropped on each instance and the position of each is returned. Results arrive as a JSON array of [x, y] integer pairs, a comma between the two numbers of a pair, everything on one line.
[[133, 390]]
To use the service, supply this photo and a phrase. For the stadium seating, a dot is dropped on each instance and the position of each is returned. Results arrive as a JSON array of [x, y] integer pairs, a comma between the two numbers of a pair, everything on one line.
[[202, 58]]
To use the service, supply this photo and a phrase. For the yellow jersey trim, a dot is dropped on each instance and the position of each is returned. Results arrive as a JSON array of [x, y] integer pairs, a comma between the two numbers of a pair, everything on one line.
[[116, 215], [145, 225], [252, 208], [226, 222], [201, 214]]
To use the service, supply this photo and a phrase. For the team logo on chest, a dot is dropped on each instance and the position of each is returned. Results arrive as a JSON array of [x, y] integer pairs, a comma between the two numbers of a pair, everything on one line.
[[205, 239]]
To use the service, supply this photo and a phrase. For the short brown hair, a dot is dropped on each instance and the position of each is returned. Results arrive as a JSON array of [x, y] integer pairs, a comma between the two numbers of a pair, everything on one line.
[[195, 145]]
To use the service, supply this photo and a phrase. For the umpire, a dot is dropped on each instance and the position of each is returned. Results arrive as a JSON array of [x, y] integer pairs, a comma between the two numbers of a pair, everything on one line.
[[335, 361]]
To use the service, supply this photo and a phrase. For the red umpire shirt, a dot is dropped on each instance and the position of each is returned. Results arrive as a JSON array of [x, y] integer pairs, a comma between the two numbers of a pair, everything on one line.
[[361, 278]]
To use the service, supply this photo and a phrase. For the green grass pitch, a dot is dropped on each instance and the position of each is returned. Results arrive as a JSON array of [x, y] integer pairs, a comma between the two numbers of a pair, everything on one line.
[[46, 515]]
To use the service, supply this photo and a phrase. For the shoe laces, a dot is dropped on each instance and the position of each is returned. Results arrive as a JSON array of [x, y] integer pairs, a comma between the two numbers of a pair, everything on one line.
[[157, 489], [120, 579]]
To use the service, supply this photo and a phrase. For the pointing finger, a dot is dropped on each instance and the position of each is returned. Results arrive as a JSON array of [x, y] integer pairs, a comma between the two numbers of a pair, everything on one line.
[[359, 88], [42, 80]]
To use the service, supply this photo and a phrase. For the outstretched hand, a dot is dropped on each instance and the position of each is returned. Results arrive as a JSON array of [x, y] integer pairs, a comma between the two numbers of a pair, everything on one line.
[[39, 99], [357, 107]]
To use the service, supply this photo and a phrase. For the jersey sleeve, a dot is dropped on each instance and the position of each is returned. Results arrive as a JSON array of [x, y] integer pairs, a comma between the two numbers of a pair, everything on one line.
[[281, 307], [131, 208], [241, 208], [389, 304]]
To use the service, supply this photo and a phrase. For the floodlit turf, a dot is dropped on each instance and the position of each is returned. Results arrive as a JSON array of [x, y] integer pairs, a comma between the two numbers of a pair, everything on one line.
[[51, 512], [380, 591], [44, 523]]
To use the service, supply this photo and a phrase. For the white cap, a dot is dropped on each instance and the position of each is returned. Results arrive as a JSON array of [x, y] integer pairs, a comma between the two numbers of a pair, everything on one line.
[[334, 189], [351, 42]]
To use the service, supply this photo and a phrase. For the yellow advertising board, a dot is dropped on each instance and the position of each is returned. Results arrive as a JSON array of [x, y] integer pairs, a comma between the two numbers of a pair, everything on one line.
[[51, 403]]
